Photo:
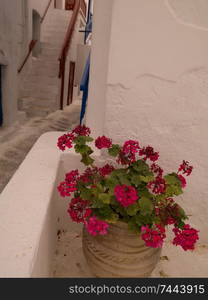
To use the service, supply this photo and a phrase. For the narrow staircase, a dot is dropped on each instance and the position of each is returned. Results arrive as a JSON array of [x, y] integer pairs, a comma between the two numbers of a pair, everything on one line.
[[40, 89]]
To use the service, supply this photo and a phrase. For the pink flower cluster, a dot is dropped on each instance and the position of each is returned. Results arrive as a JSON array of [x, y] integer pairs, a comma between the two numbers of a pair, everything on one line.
[[153, 237], [106, 170], [185, 168], [156, 169], [158, 186], [96, 227], [186, 237], [182, 180], [149, 153], [79, 210], [103, 142], [128, 152], [81, 130], [126, 195], [130, 148], [69, 186], [89, 175], [65, 141]]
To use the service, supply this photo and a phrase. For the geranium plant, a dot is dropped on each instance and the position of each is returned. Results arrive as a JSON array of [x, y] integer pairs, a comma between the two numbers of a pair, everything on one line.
[[133, 189]]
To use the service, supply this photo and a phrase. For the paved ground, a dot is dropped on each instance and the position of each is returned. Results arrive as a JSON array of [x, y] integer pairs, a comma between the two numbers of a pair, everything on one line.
[[16, 142], [70, 262]]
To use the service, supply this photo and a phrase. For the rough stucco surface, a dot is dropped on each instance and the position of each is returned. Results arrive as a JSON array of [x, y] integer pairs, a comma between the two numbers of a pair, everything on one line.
[[158, 92], [189, 12]]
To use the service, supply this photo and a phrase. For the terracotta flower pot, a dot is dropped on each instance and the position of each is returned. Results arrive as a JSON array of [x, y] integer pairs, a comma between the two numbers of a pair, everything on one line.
[[120, 253]]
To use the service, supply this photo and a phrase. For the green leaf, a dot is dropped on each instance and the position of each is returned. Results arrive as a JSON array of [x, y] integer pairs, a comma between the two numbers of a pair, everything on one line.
[[173, 185], [111, 183], [81, 140], [141, 167], [146, 205], [172, 179], [182, 213], [87, 160], [133, 226], [124, 180], [135, 179], [113, 218], [106, 213], [145, 193], [140, 219], [118, 172], [86, 193], [121, 176], [105, 198], [97, 203], [83, 149], [147, 178], [114, 150], [132, 209]]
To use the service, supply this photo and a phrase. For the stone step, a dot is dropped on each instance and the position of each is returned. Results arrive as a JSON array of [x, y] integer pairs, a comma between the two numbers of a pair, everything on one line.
[[36, 107], [41, 79], [40, 94], [57, 15], [41, 86], [57, 40], [45, 68], [50, 52], [24, 103]]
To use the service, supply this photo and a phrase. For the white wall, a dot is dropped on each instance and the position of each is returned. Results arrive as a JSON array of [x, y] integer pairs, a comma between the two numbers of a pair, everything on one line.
[[157, 86], [60, 4], [99, 65], [8, 44], [39, 6]]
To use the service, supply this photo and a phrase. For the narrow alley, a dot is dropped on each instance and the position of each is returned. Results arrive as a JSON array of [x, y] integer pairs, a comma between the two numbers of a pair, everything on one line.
[[17, 141]]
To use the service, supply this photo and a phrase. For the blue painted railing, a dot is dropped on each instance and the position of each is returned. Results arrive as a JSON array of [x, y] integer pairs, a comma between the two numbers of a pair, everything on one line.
[[1, 110], [84, 86]]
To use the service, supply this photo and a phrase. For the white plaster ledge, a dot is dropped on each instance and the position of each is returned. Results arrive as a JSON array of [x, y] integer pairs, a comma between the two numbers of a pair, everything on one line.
[[23, 207], [31, 209]]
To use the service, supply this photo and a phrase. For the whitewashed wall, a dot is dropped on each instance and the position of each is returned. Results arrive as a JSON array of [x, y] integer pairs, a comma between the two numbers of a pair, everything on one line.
[[8, 44], [156, 89]]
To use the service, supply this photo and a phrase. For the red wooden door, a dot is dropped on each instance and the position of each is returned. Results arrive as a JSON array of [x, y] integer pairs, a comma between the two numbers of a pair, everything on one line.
[[71, 82], [69, 4]]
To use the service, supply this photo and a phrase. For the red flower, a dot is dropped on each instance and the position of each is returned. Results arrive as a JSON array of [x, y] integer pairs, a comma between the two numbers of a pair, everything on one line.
[[79, 210], [170, 221], [158, 186], [69, 186], [106, 170], [182, 180], [103, 142], [149, 153], [128, 152], [185, 168], [153, 238], [96, 227], [65, 188], [65, 141], [89, 175], [186, 237], [126, 195], [72, 176], [156, 169], [81, 130]]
